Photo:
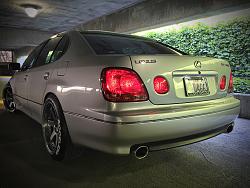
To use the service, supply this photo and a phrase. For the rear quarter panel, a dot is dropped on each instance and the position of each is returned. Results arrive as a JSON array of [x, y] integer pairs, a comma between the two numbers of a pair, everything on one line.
[[79, 90]]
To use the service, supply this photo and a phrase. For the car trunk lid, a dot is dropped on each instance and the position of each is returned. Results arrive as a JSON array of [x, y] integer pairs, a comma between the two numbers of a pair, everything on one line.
[[190, 78]]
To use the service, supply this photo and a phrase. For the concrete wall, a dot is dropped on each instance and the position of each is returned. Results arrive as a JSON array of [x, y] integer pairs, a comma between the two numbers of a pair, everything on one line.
[[11, 38], [153, 13], [244, 105]]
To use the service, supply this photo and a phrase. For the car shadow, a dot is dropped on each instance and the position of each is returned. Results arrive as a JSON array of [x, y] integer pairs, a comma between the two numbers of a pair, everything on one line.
[[21, 145]]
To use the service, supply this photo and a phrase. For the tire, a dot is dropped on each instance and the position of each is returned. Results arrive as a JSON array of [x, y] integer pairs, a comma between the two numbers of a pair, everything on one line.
[[55, 133], [8, 99]]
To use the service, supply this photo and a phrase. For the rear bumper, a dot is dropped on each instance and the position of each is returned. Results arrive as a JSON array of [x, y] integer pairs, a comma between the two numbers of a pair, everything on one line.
[[181, 141], [171, 128]]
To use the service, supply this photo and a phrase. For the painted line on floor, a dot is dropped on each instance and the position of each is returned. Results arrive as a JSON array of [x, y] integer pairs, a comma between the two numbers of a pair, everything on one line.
[[1, 104]]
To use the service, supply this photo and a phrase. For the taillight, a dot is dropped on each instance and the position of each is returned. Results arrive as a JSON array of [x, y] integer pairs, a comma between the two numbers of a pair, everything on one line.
[[161, 85], [230, 85], [223, 82], [122, 85]]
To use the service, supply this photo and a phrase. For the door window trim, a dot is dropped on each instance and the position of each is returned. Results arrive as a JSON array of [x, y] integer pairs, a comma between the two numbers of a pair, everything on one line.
[[43, 64], [64, 50]]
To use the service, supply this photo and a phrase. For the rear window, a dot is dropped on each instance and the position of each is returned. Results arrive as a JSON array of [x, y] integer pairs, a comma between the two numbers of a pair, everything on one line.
[[115, 44]]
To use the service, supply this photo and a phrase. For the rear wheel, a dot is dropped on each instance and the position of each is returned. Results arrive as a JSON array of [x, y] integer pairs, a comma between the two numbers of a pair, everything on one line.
[[8, 100], [55, 132]]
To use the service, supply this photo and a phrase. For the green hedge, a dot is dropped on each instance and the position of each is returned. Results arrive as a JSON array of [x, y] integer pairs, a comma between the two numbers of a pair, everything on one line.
[[229, 41]]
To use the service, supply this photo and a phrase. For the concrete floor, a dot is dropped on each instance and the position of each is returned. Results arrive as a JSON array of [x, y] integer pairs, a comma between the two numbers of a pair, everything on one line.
[[223, 161]]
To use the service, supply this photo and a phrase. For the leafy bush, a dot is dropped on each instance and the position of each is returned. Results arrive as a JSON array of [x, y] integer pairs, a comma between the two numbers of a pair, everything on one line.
[[229, 41]]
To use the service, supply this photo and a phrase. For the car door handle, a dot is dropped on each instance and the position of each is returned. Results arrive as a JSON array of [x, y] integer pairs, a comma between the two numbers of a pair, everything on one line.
[[46, 76]]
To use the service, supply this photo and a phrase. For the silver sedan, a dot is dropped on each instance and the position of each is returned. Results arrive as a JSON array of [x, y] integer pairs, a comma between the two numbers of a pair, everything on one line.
[[121, 94]]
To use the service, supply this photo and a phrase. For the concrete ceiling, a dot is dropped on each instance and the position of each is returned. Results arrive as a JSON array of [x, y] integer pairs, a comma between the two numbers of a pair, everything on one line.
[[57, 15], [17, 30]]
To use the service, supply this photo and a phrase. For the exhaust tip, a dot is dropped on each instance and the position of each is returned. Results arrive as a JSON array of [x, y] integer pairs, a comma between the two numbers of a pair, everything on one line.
[[141, 152], [230, 128]]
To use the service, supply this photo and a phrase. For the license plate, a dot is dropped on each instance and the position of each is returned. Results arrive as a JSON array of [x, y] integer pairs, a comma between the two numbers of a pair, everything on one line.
[[196, 86]]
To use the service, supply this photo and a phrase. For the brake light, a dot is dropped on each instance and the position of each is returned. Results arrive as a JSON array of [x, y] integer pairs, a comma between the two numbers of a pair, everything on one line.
[[122, 85], [161, 85], [230, 86], [223, 82]]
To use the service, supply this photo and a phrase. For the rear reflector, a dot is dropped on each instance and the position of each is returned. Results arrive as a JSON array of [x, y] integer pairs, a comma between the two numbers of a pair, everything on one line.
[[122, 85], [223, 82], [161, 85], [230, 86]]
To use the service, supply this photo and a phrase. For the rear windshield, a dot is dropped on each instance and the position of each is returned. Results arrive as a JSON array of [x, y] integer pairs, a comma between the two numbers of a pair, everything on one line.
[[115, 44]]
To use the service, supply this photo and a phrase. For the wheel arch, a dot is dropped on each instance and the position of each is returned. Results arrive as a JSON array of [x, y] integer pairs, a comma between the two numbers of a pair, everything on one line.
[[47, 95], [51, 89], [52, 94]]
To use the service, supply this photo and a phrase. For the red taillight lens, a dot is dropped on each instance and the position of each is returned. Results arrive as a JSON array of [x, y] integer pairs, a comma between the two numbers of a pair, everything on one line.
[[122, 85], [230, 86], [161, 85], [223, 82]]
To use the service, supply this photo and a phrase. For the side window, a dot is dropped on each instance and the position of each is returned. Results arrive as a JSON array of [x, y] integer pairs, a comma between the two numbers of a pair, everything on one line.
[[45, 55], [60, 49], [28, 63]]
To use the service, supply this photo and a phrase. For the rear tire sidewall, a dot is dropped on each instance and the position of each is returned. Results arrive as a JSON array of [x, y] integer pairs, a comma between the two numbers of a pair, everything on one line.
[[65, 140]]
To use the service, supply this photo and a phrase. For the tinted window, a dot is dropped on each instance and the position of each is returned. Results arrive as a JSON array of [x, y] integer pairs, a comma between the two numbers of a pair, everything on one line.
[[32, 57], [45, 55], [116, 44], [60, 49]]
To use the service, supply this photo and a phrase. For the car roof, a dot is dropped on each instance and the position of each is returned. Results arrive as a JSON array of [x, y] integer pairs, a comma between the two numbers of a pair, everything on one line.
[[103, 33]]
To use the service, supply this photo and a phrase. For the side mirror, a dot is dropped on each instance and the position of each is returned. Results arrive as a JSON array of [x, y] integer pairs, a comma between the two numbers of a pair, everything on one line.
[[14, 66]]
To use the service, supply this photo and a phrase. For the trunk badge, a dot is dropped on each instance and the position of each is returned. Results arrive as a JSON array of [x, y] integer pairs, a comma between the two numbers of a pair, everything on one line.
[[197, 64], [142, 61]]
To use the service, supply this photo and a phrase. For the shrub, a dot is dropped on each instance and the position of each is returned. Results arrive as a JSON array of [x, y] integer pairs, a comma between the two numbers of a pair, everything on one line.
[[227, 40]]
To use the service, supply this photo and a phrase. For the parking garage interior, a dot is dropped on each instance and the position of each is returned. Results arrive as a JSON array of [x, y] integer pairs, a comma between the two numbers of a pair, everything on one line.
[[222, 161]]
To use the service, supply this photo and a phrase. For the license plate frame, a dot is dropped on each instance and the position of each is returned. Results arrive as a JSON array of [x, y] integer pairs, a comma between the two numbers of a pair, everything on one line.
[[196, 86]]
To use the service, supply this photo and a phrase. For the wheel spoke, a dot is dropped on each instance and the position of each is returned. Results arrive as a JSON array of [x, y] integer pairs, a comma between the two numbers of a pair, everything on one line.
[[50, 123], [53, 134]]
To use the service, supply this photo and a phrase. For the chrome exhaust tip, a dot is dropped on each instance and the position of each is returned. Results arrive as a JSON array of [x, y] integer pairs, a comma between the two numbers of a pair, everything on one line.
[[141, 152], [230, 128]]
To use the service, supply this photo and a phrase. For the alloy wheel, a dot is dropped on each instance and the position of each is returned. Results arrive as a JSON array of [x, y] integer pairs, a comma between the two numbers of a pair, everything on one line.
[[9, 100], [52, 128]]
